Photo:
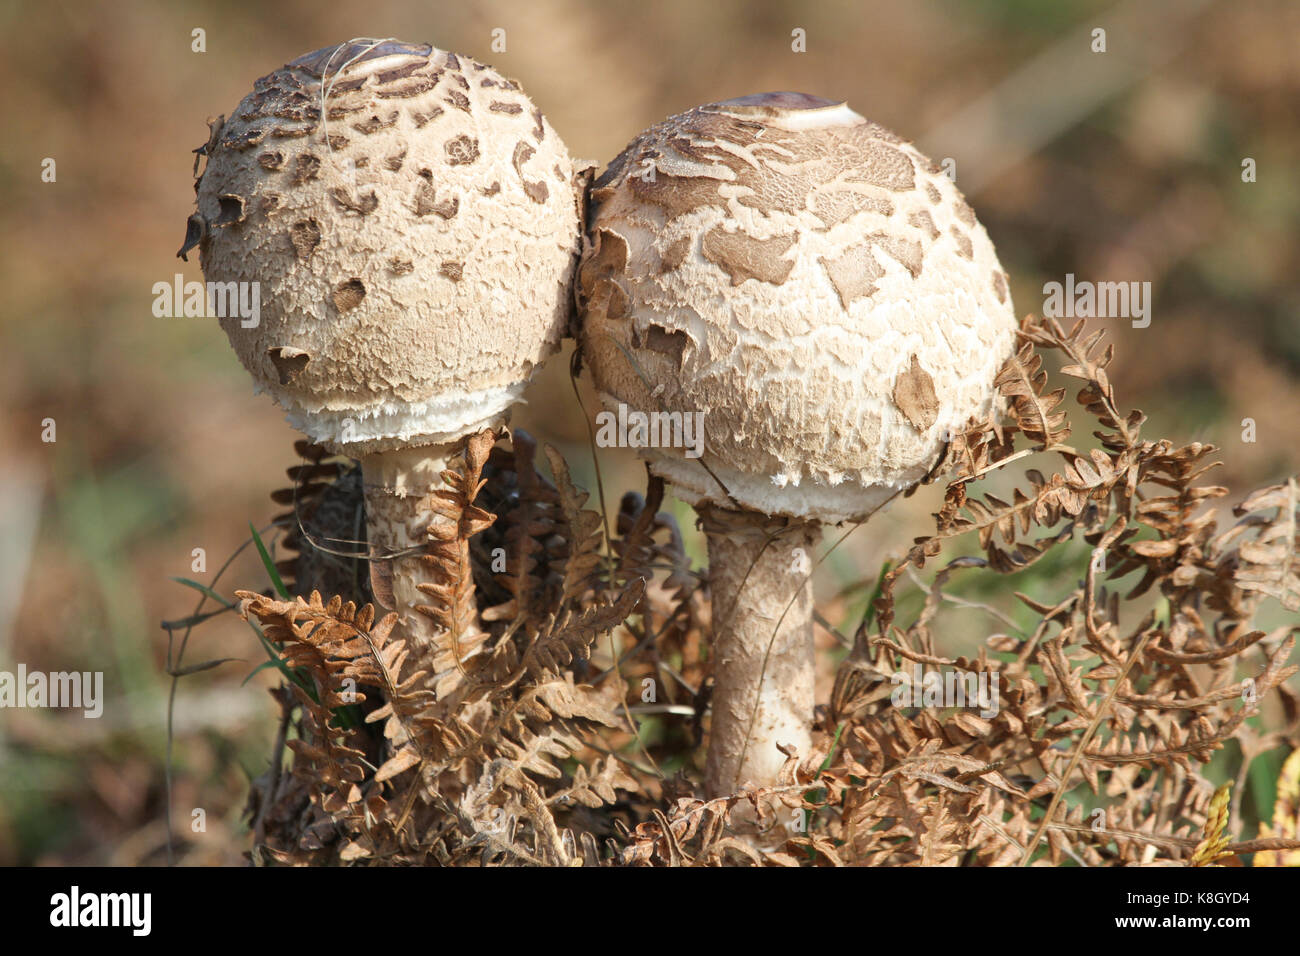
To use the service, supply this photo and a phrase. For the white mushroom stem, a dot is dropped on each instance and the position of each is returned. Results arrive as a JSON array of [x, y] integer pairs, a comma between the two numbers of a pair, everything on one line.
[[760, 577], [399, 488]]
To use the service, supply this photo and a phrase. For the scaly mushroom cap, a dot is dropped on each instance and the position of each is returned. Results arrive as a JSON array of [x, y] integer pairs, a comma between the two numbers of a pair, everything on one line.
[[414, 251], [809, 281]]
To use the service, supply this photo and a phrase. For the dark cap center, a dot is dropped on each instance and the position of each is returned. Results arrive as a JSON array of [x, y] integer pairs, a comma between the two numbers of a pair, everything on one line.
[[334, 58], [778, 102]]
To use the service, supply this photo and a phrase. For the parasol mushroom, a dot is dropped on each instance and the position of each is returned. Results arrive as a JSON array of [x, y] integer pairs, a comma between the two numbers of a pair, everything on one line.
[[412, 222], [825, 296]]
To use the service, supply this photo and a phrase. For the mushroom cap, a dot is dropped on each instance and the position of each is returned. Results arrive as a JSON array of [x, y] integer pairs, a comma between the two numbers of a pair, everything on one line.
[[415, 251], [810, 282]]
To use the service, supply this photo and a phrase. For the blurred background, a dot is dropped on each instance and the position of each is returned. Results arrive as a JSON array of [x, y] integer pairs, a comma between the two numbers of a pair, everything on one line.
[[1117, 166]]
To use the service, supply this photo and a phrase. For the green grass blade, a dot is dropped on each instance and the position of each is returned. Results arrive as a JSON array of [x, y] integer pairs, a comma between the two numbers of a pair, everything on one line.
[[280, 589], [204, 589]]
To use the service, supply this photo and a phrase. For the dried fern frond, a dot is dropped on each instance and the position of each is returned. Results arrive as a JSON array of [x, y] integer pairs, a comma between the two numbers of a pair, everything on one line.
[[451, 575], [1140, 660], [530, 526], [325, 530], [338, 648], [502, 726], [1098, 692]]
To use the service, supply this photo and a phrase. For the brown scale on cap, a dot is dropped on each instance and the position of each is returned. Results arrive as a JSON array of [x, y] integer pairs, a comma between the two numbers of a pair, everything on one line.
[[824, 295], [412, 275]]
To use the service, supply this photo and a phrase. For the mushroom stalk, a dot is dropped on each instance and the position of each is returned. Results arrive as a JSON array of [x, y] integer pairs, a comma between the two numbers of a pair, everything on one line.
[[760, 577], [399, 490]]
